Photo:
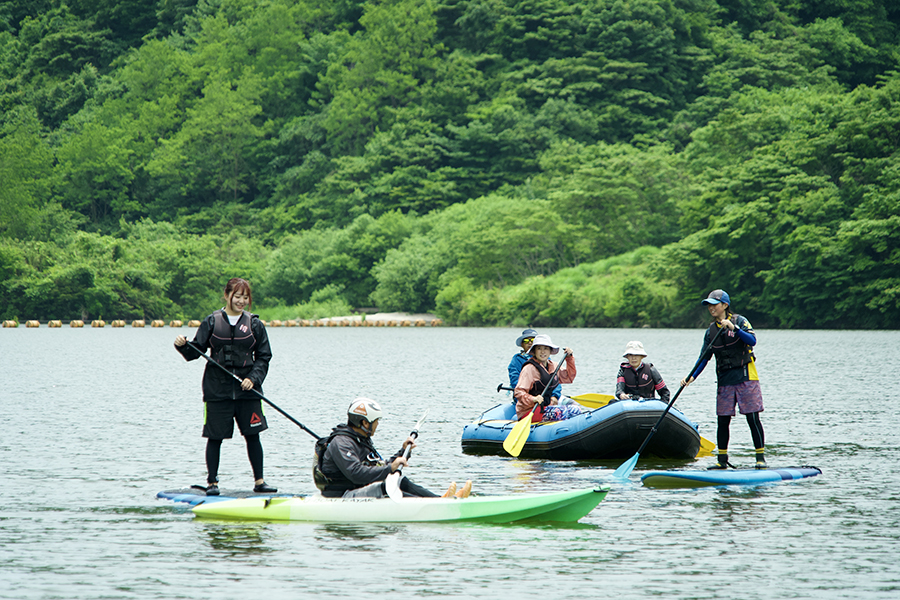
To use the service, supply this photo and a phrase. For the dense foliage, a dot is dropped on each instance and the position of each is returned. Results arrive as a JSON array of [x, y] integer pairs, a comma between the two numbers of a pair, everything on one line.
[[545, 162]]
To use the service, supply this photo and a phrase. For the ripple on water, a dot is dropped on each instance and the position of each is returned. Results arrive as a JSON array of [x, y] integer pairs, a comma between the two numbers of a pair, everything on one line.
[[86, 450]]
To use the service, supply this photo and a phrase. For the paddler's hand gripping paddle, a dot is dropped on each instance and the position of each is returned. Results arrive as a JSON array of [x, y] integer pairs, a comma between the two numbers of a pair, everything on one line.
[[392, 483]]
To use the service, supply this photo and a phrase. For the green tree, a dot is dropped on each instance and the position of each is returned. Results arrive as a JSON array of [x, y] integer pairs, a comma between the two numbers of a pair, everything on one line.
[[210, 157], [381, 70], [25, 163], [340, 258], [95, 175]]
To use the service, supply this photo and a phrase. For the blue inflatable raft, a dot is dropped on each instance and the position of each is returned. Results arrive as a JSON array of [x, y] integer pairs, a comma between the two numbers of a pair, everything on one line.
[[614, 431], [692, 479]]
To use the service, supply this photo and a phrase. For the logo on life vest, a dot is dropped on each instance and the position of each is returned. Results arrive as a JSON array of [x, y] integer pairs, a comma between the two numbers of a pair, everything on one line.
[[644, 376], [243, 328], [255, 420]]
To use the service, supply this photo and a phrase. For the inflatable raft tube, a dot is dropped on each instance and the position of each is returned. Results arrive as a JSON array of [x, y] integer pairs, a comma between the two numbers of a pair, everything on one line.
[[692, 479]]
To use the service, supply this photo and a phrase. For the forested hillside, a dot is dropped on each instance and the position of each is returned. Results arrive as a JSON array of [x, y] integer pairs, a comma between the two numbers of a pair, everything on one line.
[[540, 162]]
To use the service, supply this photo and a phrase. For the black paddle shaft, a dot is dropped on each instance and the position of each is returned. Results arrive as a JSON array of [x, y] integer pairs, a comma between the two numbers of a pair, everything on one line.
[[678, 393], [257, 392], [550, 385], [415, 435]]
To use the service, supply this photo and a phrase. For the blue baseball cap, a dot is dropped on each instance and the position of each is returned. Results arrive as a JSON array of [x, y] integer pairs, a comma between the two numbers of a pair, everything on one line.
[[717, 296]]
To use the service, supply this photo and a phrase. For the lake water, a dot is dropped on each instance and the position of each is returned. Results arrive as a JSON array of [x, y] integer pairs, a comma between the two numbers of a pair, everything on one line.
[[96, 421]]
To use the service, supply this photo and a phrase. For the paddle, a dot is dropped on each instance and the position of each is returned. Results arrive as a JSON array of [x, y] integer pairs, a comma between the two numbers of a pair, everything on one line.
[[269, 402], [627, 467], [593, 400], [392, 482], [516, 439]]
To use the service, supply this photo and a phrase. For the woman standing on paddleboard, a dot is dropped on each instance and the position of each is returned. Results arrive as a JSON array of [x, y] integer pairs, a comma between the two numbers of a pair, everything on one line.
[[238, 342], [738, 381]]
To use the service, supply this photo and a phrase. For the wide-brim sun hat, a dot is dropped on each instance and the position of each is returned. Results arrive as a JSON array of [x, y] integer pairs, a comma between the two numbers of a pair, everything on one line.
[[543, 340], [635, 348], [528, 333], [716, 297]]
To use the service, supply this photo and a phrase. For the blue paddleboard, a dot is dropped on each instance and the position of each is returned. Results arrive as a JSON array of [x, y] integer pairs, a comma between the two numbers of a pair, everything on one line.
[[194, 496], [690, 479]]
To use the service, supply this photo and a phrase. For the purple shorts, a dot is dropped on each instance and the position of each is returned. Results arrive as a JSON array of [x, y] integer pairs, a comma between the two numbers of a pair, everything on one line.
[[747, 396]]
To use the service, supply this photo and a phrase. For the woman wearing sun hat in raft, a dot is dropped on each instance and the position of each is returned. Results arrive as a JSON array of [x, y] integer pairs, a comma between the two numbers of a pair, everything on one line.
[[738, 381], [536, 375], [638, 377], [519, 359]]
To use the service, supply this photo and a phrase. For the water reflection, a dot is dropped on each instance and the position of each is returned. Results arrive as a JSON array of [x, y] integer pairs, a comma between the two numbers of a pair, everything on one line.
[[535, 475], [357, 531], [237, 539]]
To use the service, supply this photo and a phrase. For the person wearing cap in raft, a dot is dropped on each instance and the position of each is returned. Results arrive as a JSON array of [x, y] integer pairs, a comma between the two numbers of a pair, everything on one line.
[[520, 358], [738, 380], [536, 375], [637, 377], [347, 465]]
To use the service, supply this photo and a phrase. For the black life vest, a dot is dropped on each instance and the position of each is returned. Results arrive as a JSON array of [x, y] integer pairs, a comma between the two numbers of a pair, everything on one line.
[[538, 387], [639, 381], [337, 482], [730, 350], [232, 346]]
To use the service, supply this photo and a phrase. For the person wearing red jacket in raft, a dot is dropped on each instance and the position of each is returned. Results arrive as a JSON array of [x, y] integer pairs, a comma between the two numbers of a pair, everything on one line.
[[536, 375]]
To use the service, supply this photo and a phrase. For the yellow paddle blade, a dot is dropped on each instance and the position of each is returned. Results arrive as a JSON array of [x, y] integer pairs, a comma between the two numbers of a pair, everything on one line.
[[593, 400], [706, 447], [516, 439]]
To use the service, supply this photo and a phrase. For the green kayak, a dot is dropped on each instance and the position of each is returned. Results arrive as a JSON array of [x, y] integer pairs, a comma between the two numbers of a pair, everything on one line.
[[559, 506]]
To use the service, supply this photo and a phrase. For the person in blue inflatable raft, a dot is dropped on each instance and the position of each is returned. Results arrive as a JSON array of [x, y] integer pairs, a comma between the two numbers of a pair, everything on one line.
[[638, 378], [539, 372], [519, 359]]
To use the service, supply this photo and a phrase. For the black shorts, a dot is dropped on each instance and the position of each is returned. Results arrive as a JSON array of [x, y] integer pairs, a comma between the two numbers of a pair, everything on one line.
[[220, 415]]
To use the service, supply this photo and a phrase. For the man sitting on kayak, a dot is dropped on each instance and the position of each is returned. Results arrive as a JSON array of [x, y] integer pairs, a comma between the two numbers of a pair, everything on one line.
[[347, 464]]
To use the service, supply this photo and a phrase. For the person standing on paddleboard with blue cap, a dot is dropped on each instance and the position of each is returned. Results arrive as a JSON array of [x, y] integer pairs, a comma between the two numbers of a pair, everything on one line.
[[738, 381]]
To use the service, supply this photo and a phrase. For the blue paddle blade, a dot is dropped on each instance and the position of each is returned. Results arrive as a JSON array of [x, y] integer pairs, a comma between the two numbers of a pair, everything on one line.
[[626, 467]]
